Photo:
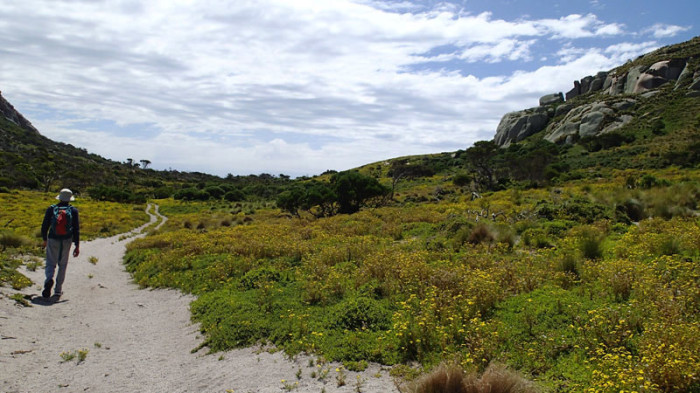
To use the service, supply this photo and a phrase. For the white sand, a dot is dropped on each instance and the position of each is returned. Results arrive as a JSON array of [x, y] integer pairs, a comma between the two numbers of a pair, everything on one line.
[[138, 341]]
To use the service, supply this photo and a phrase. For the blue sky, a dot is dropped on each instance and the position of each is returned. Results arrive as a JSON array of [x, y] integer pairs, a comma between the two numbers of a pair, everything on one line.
[[299, 87]]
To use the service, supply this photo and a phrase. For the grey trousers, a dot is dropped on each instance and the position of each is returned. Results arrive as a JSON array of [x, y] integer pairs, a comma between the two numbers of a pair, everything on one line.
[[57, 252]]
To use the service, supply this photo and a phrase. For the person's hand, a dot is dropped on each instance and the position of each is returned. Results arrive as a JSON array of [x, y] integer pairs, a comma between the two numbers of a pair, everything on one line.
[[76, 252], [43, 244]]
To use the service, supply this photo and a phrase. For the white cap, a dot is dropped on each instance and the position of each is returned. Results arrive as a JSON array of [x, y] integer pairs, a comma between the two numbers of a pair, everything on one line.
[[65, 195]]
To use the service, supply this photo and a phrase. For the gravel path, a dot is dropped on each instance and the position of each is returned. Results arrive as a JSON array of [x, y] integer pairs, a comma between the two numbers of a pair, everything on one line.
[[138, 340]]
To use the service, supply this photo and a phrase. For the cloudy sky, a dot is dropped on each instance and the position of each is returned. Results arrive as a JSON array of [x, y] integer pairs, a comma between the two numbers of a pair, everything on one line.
[[301, 86]]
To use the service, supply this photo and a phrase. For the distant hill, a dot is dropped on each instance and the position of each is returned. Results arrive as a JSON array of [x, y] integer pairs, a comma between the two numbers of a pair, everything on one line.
[[29, 160]]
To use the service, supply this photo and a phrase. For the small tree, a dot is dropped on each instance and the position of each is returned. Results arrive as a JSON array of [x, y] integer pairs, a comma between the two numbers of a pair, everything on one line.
[[215, 192], [320, 200], [291, 200], [354, 190], [234, 196]]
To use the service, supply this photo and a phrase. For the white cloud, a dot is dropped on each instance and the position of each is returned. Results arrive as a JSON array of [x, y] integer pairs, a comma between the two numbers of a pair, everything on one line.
[[578, 26], [303, 86], [625, 51], [504, 50], [660, 30]]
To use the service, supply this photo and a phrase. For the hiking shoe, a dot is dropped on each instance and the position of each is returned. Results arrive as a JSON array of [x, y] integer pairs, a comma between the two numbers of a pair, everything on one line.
[[47, 289]]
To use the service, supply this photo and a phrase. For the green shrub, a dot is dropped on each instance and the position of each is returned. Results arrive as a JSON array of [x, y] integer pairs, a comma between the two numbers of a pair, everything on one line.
[[462, 179], [569, 264], [536, 237], [505, 234], [558, 227], [9, 239], [234, 196], [669, 245], [358, 366], [257, 277], [649, 181], [10, 275], [360, 313], [576, 209], [230, 319], [591, 244]]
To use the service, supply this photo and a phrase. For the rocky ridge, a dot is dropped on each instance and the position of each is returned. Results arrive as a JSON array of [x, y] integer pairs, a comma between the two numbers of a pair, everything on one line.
[[601, 103], [10, 113]]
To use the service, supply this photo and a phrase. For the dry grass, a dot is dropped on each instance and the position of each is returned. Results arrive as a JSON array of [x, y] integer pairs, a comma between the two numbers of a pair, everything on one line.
[[452, 379], [481, 233]]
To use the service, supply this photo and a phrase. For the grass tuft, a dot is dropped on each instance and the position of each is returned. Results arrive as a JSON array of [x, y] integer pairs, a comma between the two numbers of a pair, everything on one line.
[[452, 379]]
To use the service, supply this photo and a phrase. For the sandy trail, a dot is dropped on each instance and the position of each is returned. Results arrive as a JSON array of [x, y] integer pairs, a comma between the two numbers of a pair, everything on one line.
[[138, 340]]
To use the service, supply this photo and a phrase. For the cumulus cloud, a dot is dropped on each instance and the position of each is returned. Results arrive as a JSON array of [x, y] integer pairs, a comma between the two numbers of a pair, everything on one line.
[[625, 51], [279, 86], [660, 30], [578, 26]]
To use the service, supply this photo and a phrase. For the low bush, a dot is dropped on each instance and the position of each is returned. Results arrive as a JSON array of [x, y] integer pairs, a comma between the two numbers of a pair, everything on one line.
[[10, 239], [591, 243], [10, 276], [360, 313]]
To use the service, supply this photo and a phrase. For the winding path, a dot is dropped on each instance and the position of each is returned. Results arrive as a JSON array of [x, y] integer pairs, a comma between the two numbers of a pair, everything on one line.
[[137, 340]]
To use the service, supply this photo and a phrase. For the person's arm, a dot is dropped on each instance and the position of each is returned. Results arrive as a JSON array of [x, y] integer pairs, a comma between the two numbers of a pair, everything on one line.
[[45, 225], [76, 231]]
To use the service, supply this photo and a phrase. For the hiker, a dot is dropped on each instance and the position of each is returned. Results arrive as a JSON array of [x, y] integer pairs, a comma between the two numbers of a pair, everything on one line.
[[60, 228]]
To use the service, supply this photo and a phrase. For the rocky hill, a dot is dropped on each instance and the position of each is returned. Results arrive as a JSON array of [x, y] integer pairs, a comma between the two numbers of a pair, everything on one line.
[[10, 113], [608, 101]]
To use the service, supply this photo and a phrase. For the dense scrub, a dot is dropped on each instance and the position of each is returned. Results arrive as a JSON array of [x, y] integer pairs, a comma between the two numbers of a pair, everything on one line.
[[590, 285]]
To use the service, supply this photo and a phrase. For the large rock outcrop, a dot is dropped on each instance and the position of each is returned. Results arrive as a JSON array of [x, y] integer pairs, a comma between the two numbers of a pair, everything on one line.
[[589, 120], [588, 84], [565, 122], [10, 113], [516, 126], [658, 74]]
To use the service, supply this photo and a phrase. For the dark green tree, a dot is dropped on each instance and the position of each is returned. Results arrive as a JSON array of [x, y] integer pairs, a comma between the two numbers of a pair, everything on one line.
[[355, 190], [320, 200], [291, 200], [481, 158]]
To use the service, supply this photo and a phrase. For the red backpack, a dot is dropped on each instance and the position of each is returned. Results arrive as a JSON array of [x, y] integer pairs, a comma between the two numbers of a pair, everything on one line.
[[62, 222]]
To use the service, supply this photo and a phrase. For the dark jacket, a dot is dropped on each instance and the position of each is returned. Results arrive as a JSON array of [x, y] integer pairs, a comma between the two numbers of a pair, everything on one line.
[[48, 216]]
